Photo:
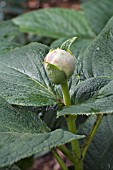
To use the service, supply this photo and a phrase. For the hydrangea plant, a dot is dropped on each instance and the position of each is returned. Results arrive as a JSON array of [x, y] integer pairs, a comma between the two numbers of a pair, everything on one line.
[[58, 96]]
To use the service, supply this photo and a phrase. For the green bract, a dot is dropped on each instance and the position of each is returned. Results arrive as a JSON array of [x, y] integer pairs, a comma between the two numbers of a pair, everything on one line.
[[59, 65]]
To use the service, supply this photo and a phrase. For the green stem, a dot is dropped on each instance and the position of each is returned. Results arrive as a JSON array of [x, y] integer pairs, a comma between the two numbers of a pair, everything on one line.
[[67, 153], [60, 161], [78, 164], [66, 95], [91, 135], [72, 128]]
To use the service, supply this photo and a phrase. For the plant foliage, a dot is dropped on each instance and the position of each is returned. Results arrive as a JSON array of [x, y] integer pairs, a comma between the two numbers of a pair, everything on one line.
[[24, 82], [23, 134]]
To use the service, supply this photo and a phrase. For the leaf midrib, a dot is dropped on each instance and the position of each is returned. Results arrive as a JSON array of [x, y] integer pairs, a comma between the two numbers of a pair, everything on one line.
[[29, 78]]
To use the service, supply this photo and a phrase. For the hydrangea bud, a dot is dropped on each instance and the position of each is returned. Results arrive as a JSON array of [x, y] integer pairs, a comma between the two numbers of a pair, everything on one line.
[[59, 65]]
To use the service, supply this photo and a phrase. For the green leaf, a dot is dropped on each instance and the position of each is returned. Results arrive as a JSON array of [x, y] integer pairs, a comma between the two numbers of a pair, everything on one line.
[[12, 120], [98, 13], [15, 146], [101, 102], [54, 22], [23, 79], [8, 31], [57, 43], [12, 167], [78, 48], [98, 58], [7, 46], [67, 44], [100, 152], [23, 134], [88, 88]]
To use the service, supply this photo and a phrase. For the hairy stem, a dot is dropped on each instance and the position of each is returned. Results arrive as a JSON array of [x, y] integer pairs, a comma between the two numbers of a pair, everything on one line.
[[91, 135], [60, 161], [78, 164], [72, 128], [75, 144], [66, 95]]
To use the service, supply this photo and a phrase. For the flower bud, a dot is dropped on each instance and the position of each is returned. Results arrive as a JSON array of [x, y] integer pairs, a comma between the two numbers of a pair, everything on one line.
[[59, 65]]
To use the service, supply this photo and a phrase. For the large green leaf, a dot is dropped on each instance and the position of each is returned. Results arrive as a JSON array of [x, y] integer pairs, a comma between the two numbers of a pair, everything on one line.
[[98, 13], [12, 120], [54, 22], [15, 146], [57, 43], [12, 167], [7, 46], [23, 79], [78, 48], [23, 134], [100, 152], [8, 31], [98, 58], [88, 88], [9, 36], [98, 99]]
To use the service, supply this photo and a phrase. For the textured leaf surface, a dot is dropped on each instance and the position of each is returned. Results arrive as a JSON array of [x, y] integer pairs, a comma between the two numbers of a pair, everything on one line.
[[12, 167], [57, 43], [98, 58], [78, 48], [12, 120], [55, 22], [88, 88], [23, 134], [7, 46], [101, 102], [23, 79], [98, 13], [100, 152], [15, 146], [8, 30]]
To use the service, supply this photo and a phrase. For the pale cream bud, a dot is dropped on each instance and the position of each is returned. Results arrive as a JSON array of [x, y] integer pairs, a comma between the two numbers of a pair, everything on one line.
[[59, 65]]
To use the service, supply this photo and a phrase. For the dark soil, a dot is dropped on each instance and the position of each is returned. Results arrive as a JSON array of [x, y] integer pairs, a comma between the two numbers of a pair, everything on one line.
[[48, 162], [34, 4]]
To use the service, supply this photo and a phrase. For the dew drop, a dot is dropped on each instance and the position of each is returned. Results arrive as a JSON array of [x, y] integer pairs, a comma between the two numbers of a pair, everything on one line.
[[111, 35], [98, 48], [40, 114], [109, 166]]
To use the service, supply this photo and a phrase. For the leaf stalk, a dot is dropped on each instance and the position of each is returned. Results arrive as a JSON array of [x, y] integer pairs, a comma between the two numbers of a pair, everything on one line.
[[60, 161], [67, 153], [91, 135], [78, 164]]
